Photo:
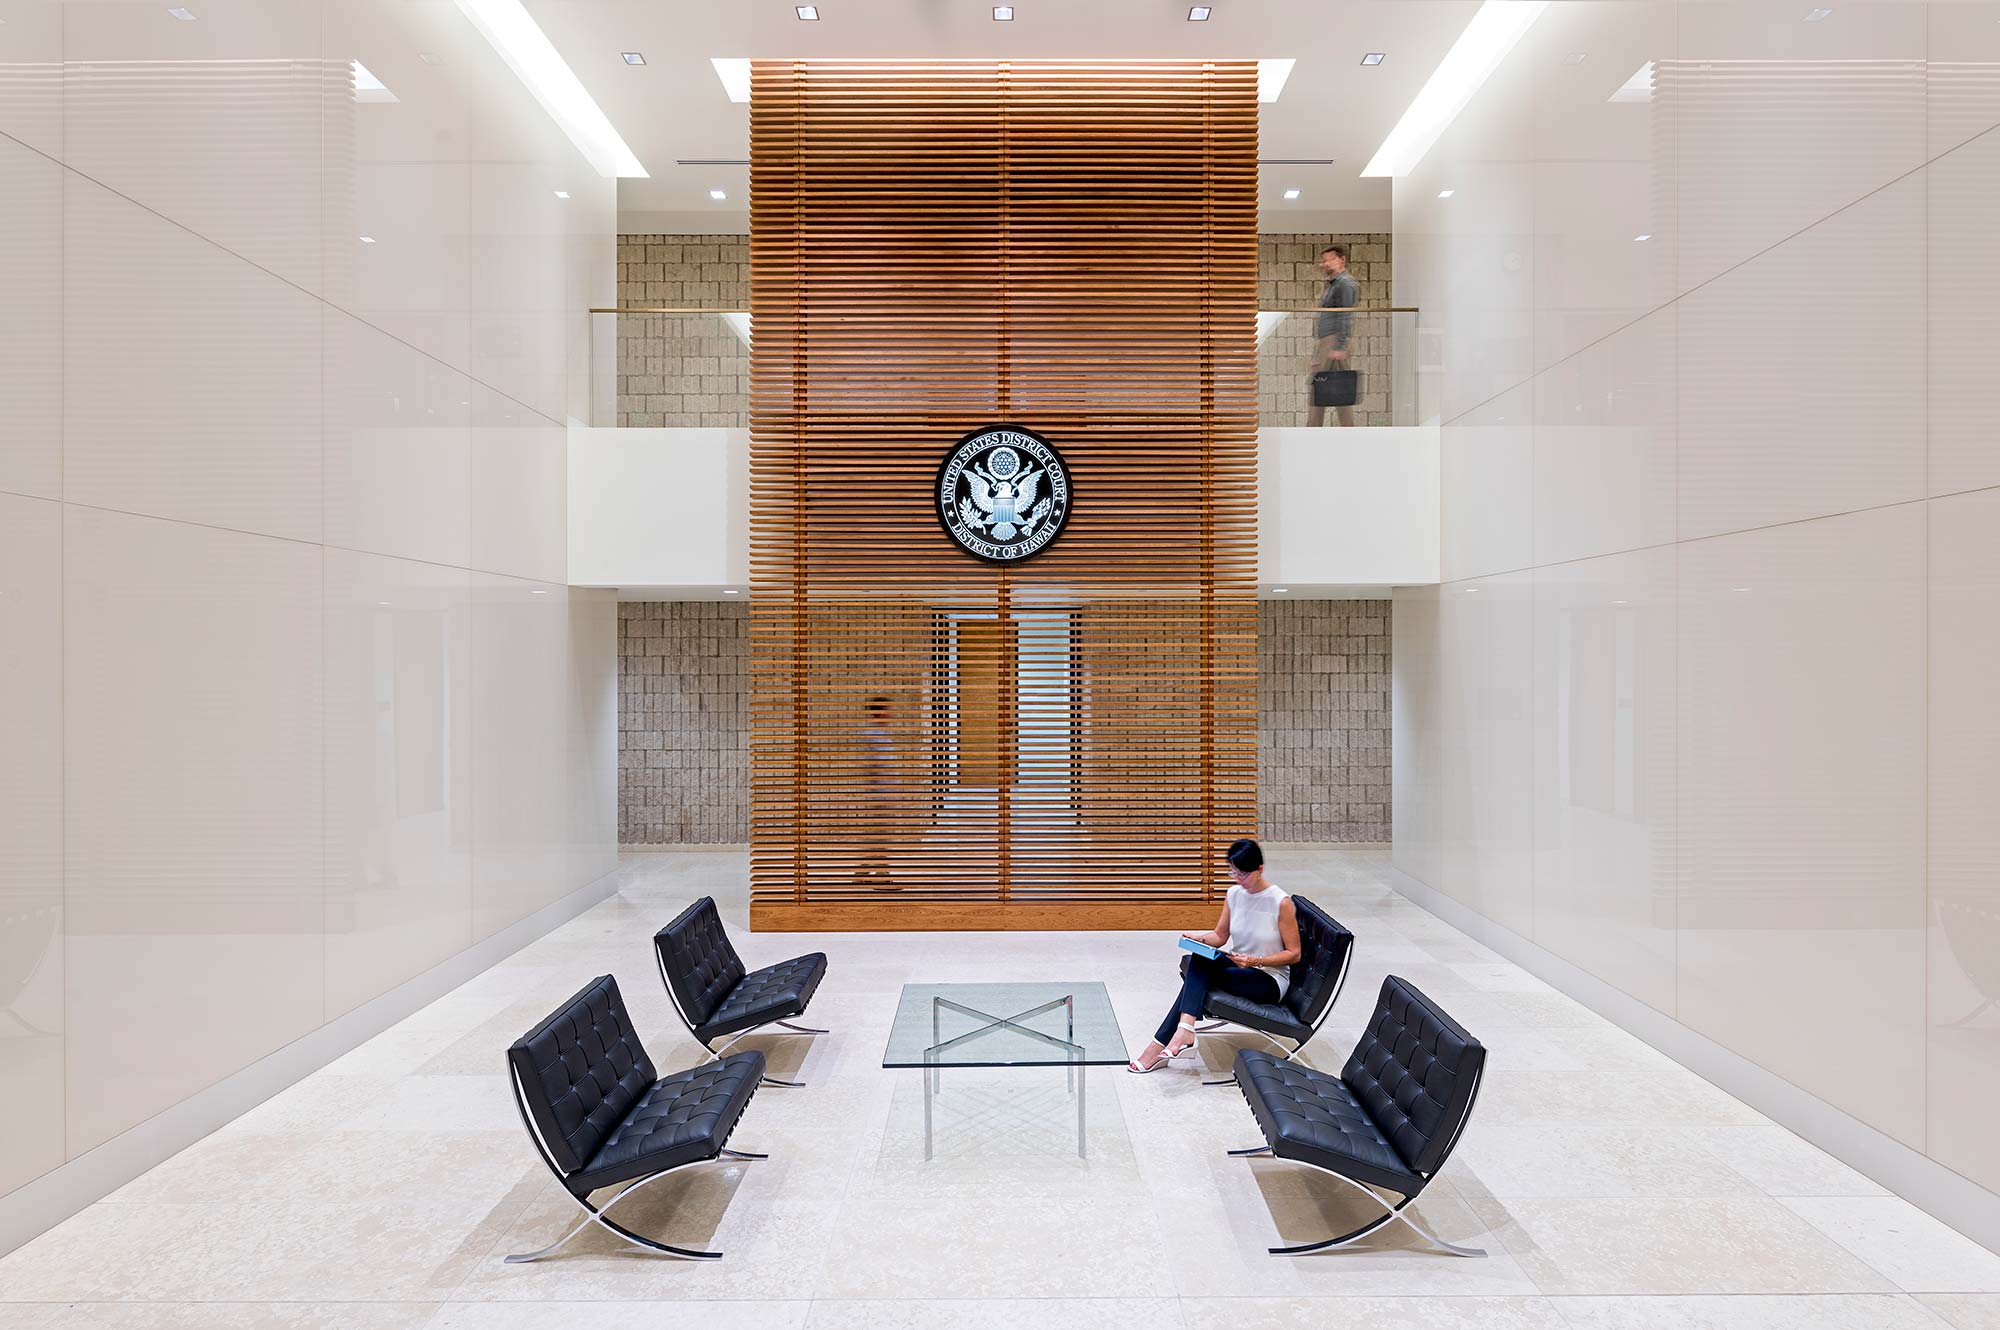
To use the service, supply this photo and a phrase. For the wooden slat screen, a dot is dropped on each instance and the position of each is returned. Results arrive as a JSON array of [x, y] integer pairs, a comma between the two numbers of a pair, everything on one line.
[[938, 742]]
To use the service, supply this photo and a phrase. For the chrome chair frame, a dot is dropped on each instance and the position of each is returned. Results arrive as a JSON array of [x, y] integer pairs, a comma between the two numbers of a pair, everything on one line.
[[596, 1214], [1339, 985], [715, 1054], [1391, 1213]]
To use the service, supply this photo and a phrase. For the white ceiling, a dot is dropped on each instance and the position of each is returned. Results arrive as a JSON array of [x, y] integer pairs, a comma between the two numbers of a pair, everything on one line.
[[673, 108]]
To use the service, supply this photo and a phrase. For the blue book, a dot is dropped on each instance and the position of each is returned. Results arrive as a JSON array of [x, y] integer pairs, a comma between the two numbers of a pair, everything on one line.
[[1200, 948]]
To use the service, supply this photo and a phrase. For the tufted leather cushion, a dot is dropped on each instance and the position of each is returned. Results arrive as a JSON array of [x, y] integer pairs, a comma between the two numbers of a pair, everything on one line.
[[1270, 1017], [687, 1116], [1324, 946], [1310, 1116], [581, 1071], [769, 994], [1414, 1070], [698, 960]]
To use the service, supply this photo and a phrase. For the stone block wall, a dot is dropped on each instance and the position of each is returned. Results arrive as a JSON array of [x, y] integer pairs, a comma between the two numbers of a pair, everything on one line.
[[682, 369], [683, 723], [694, 370], [1323, 720], [1288, 277]]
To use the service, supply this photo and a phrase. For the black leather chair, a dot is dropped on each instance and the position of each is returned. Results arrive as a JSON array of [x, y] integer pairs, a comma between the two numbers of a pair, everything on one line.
[[598, 1117], [712, 993], [1326, 950], [1391, 1118]]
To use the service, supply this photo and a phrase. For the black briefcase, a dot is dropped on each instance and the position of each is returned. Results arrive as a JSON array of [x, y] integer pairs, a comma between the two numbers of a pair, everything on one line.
[[1336, 387]]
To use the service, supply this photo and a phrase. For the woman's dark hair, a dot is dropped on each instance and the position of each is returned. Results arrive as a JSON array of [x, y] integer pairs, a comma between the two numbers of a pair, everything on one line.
[[1246, 855]]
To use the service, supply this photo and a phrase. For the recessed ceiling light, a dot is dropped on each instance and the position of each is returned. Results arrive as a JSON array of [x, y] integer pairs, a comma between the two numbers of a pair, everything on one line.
[[1739, 588], [718, 195], [1574, 58], [428, 58], [1487, 39], [366, 240], [633, 57], [1291, 193], [1638, 88], [539, 590], [729, 591], [1271, 76], [1198, 14], [368, 88], [1003, 13], [1277, 591], [562, 193], [735, 76], [807, 13], [1374, 57], [1815, 15], [1446, 193], [1645, 236], [183, 14]]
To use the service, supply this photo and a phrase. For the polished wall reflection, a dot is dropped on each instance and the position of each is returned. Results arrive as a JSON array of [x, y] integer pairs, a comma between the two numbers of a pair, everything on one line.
[[294, 702], [1718, 293]]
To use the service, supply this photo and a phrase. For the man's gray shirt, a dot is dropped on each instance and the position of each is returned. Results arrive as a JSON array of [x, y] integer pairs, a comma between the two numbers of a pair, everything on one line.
[[1341, 292]]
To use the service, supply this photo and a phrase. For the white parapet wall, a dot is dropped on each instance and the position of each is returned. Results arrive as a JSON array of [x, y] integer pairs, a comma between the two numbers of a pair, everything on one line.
[[1348, 507], [667, 511]]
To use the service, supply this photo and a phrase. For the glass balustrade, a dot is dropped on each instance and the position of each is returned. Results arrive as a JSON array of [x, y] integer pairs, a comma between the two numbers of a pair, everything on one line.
[[680, 367]]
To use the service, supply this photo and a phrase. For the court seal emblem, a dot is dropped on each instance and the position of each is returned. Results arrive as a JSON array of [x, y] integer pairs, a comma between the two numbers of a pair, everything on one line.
[[1003, 494]]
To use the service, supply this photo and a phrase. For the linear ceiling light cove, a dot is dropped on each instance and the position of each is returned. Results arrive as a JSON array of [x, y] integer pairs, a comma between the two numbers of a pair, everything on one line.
[[534, 60], [1494, 30], [735, 76], [1271, 76]]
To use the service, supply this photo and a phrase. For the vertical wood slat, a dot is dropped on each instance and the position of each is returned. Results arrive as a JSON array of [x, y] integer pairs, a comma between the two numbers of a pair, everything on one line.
[[938, 247]]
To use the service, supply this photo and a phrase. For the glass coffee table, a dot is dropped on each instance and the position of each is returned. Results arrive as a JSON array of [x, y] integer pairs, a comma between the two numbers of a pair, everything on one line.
[[1067, 1025]]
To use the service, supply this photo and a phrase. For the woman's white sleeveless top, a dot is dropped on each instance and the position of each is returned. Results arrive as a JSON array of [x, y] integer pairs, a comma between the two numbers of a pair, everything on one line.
[[1253, 928]]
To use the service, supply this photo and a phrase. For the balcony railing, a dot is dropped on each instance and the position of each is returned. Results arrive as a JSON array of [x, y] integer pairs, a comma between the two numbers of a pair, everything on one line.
[[684, 366]]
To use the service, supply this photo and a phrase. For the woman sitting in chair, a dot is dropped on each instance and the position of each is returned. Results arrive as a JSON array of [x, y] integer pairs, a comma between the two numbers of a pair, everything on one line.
[[1260, 929]]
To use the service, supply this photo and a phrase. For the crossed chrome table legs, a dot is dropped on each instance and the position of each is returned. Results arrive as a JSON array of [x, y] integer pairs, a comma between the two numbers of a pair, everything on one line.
[[1075, 1075]]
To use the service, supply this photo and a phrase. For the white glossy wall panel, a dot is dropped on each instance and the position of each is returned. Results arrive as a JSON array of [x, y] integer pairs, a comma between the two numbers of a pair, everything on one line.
[[31, 842], [398, 171], [517, 265], [398, 772], [1801, 389], [1604, 174], [1964, 783], [31, 219], [1603, 741], [1801, 383], [592, 735], [520, 484], [214, 124], [213, 414], [1963, 73], [191, 706], [1964, 309], [1486, 682], [1801, 779], [1416, 699], [398, 469], [520, 711], [31, 74], [1783, 123], [1487, 483], [1605, 445], [260, 427]]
